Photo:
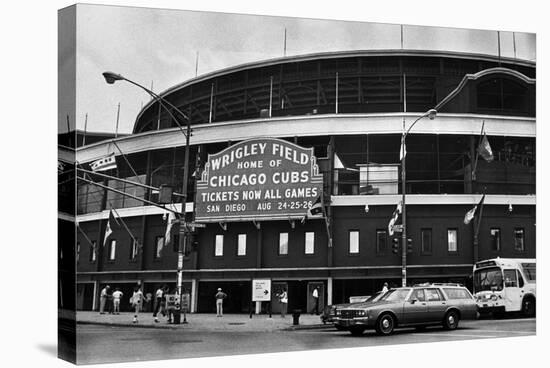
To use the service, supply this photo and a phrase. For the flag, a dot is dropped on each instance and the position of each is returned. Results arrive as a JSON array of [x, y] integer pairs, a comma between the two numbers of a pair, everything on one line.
[[394, 217], [471, 213], [315, 209], [338, 162], [170, 222], [484, 149], [112, 224], [104, 163], [402, 149]]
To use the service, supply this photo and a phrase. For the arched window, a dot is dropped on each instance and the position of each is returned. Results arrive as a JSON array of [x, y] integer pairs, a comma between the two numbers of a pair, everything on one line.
[[502, 94]]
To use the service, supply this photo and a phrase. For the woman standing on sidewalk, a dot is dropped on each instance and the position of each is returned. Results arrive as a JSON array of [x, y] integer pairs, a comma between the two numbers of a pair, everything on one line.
[[137, 301]]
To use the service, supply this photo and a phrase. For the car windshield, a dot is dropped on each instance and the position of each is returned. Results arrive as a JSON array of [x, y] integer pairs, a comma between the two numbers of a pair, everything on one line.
[[395, 295], [488, 279], [373, 297]]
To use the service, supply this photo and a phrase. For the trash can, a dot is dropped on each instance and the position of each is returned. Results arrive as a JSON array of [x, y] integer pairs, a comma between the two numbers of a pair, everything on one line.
[[296, 317]]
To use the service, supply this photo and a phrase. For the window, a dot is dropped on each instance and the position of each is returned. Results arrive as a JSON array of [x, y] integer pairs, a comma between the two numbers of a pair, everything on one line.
[[241, 245], [310, 244], [432, 295], [418, 295], [510, 278], [452, 243], [426, 241], [530, 270], [93, 251], [133, 248], [283, 244], [77, 252], [519, 240], [159, 244], [381, 241], [457, 294], [520, 279], [218, 248], [112, 250], [353, 242], [495, 239]]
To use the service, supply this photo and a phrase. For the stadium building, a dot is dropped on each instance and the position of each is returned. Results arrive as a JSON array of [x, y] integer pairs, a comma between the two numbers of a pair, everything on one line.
[[272, 138]]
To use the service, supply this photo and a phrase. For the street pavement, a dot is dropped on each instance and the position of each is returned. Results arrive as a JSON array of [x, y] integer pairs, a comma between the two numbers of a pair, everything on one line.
[[206, 335]]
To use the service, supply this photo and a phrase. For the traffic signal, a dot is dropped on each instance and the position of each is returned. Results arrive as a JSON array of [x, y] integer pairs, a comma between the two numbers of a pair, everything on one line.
[[409, 245], [176, 242], [395, 245]]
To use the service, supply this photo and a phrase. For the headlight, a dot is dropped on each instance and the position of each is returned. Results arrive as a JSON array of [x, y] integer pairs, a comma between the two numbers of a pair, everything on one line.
[[338, 312], [494, 297], [361, 313]]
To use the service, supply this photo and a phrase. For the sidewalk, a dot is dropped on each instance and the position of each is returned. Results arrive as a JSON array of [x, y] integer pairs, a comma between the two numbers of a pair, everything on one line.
[[205, 322]]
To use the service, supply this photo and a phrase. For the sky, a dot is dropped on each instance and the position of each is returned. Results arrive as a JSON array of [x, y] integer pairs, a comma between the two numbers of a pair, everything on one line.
[[160, 48]]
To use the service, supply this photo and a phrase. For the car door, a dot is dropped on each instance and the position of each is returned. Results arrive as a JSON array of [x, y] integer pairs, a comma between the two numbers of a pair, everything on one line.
[[415, 309], [512, 292], [437, 305]]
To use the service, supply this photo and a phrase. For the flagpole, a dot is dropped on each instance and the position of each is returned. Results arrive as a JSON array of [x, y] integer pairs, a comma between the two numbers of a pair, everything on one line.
[[403, 211], [477, 225], [477, 153]]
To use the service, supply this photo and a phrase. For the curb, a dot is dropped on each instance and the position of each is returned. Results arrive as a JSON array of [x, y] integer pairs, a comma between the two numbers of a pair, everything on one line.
[[175, 327], [127, 325]]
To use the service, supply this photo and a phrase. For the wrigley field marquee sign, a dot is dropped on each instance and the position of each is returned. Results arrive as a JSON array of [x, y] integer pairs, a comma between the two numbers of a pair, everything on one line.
[[258, 179]]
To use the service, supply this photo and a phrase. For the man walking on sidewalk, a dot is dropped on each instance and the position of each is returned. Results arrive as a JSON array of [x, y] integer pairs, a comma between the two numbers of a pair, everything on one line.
[[159, 295], [315, 295], [117, 295], [103, 299], [220, 296]]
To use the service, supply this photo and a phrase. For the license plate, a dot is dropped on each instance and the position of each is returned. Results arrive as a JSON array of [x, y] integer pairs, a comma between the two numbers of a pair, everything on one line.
[[485, 305]]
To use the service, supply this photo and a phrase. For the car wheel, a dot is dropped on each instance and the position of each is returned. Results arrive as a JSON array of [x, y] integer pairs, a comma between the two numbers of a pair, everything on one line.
[[357, 331], [450, 322], [385, 324], [528, 307]]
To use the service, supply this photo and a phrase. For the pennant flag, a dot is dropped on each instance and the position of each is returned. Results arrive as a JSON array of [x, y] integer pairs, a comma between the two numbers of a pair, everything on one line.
[[338, 162], [170, 222], [471, 213], [315, 209], [104, 164], [394, 217], [402, 149], [112, 224], [484, 149]]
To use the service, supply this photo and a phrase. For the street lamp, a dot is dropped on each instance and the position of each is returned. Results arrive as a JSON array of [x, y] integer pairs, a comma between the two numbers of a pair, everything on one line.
[[111, 78], [431, 115]]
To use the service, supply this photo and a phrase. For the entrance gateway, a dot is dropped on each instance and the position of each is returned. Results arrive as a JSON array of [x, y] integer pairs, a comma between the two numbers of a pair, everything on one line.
[[257, 180]]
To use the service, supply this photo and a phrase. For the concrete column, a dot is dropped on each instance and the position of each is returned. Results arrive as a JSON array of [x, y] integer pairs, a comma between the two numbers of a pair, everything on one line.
[[94, 299], [329, 291], [194, 291], [258, 307]]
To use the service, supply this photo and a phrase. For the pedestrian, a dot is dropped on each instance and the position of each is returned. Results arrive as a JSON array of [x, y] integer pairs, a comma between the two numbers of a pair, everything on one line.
[[283, 299], [315, 295], [220, 296], [109, 305], [159, 297], [385, 287], [136, 301], [117, 295], [103, 298]]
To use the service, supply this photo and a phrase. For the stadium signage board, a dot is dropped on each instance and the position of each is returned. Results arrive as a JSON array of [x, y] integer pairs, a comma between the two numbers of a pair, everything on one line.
[[258, 179]]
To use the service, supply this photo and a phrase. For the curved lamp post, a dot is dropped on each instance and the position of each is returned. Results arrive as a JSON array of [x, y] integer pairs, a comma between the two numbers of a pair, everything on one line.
[[431, 115], [111, 78]]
